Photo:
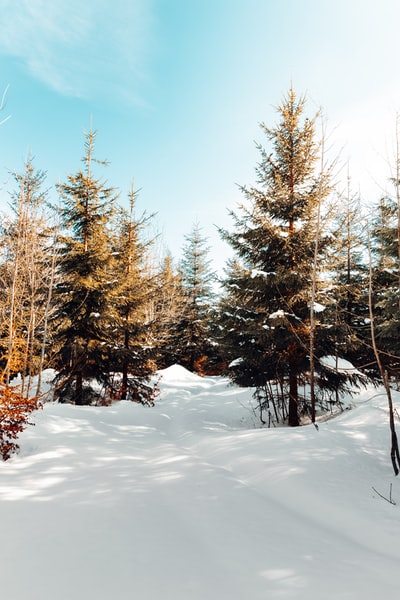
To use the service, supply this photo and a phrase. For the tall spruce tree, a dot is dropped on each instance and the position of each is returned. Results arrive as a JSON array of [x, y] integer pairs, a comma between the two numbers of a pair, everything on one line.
[[86, 294], [192, 342], [167, 309], [385, 284], [265, 311], [348, 287], [385, 253], [134, 354]]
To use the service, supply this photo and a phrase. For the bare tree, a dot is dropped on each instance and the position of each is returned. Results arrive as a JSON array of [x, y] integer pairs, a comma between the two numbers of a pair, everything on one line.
[[394, 451], [324, 187], [27, 268]]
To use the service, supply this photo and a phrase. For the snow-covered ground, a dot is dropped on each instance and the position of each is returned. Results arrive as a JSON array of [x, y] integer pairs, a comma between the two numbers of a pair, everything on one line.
[[191, 500]]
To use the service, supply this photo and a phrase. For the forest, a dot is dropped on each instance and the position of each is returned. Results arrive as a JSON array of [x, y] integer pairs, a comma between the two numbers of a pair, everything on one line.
[[308, 308]]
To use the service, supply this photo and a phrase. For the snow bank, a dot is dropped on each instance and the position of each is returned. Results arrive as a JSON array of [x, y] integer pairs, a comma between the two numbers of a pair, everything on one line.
[[191, 500], [178, 375], [340, 365]]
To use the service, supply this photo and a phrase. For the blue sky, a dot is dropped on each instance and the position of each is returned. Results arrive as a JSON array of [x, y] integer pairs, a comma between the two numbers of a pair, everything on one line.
[[176, 90]]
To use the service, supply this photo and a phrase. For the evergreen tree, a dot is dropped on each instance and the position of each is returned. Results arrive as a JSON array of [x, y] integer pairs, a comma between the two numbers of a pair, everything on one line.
[[268, 289], [134, 355], [192, 331], [168, 307], [348, 284], [385, 246], [86, 294], [385, 284]]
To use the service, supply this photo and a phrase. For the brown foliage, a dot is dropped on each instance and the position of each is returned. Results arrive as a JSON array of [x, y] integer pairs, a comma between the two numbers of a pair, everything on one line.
[[204, 366], [14, 414]]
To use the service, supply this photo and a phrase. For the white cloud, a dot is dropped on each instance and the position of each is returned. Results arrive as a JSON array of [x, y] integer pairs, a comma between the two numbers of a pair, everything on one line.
[[79, 48]]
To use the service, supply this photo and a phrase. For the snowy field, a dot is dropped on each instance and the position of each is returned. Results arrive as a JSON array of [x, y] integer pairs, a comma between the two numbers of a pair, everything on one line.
[[191, 500]]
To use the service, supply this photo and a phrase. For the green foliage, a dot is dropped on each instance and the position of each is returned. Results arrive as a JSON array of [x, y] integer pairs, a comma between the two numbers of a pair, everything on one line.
[[347, 293], [386, 283], [101, 296], [86, 292], [265, 310], [133, 352], [192, 331], [168, 305]]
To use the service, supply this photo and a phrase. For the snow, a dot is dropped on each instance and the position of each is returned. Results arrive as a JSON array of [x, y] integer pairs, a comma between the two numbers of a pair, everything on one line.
[[318, 307], [277, 314], [340, 365], [259, 273], [191, 500], [236, 362]]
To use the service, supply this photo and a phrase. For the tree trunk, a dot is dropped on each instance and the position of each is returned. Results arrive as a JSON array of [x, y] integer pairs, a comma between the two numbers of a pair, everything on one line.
[[46, 316], [125, 367], [394, 450], [79, 388], [293, 400]]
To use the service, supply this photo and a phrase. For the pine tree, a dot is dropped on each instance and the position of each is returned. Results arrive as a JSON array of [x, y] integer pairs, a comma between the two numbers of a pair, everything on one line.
[[385, 284], [168, 307], [86, 293], [348, 286], [192, 331], [134, 354], [268, 288], [386, 277]]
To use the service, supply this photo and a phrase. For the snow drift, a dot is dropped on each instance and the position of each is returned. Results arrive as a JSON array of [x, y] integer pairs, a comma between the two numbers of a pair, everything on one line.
[[191, 500]]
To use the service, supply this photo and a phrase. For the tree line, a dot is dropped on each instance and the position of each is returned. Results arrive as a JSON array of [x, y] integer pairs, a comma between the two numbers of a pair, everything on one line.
[[309, 298]]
